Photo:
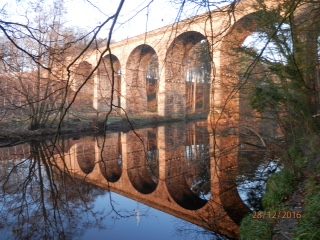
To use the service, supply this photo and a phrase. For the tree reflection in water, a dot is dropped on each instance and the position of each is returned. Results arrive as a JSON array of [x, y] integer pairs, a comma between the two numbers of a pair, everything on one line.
[[41, 202], [143, 160], [110, 155], [197, 152], [152, 155], [171, 169]]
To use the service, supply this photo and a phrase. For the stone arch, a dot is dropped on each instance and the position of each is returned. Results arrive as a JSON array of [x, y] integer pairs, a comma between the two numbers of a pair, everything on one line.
[[85, 97], [237, 88], [110, 163], [143, 161], [188, 75], [236, 111], [186, 149], [109, 74], [233, 87], [85, 152], [142, 76]]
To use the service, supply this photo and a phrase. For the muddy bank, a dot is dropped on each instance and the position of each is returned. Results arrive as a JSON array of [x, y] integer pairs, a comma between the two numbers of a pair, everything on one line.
[[13, 133]]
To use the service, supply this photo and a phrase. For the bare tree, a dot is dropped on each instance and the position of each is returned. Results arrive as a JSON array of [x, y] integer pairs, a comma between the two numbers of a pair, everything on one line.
[[32, 60]]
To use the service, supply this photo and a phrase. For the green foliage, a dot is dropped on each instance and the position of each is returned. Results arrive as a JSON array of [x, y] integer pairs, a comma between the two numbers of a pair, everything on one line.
[[252, 229], [285, 91], [309, 226], [265, 96], [299, 161], [279, 187], [281, 89]]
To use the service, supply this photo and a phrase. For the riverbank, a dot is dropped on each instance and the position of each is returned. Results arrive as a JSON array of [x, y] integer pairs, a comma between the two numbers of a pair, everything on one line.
[[17, 131], [291, 207]]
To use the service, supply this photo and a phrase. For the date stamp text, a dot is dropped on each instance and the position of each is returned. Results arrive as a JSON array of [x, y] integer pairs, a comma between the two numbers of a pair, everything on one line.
[[276, 214]]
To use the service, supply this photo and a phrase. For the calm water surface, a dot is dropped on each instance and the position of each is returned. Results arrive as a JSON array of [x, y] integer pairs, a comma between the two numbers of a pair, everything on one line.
[[171, 182]]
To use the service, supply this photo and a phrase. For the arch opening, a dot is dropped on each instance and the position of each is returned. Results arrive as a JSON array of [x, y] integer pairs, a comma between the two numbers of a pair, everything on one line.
[[247, 52], [197, 77], [142, 75], [109, 85], [188, 75], [84, 100]]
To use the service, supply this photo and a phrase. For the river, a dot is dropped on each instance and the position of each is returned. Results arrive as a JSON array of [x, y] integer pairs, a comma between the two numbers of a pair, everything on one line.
[[177, 181]]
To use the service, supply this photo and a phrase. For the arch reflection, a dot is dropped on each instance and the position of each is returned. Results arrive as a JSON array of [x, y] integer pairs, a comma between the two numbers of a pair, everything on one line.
[[188, 170], [85, 152], [110, 163], [179, 155], [143, 161]]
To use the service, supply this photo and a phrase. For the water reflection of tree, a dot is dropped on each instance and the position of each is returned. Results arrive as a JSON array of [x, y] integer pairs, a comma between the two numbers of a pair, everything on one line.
[[197, 152], [40, 202], [152, 155]]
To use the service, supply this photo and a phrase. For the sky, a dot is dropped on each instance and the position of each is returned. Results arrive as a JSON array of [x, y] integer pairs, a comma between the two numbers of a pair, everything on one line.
[[135, 18]]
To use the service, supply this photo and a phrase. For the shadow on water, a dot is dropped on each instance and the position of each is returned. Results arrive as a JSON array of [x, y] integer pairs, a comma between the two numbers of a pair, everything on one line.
[[115, 184]]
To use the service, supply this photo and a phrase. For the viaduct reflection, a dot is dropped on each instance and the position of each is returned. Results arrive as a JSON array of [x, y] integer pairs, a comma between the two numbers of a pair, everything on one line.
[[110, 157], [143, 161], [188, 166], [172, 168]]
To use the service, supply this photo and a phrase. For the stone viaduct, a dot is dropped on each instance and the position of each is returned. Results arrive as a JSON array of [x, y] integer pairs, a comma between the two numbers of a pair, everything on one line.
[[173, 71], [187, 68]]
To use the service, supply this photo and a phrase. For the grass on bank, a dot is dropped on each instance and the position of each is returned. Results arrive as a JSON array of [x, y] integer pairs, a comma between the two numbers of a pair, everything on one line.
[[279, 187], [309, 226], [253, 229]]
